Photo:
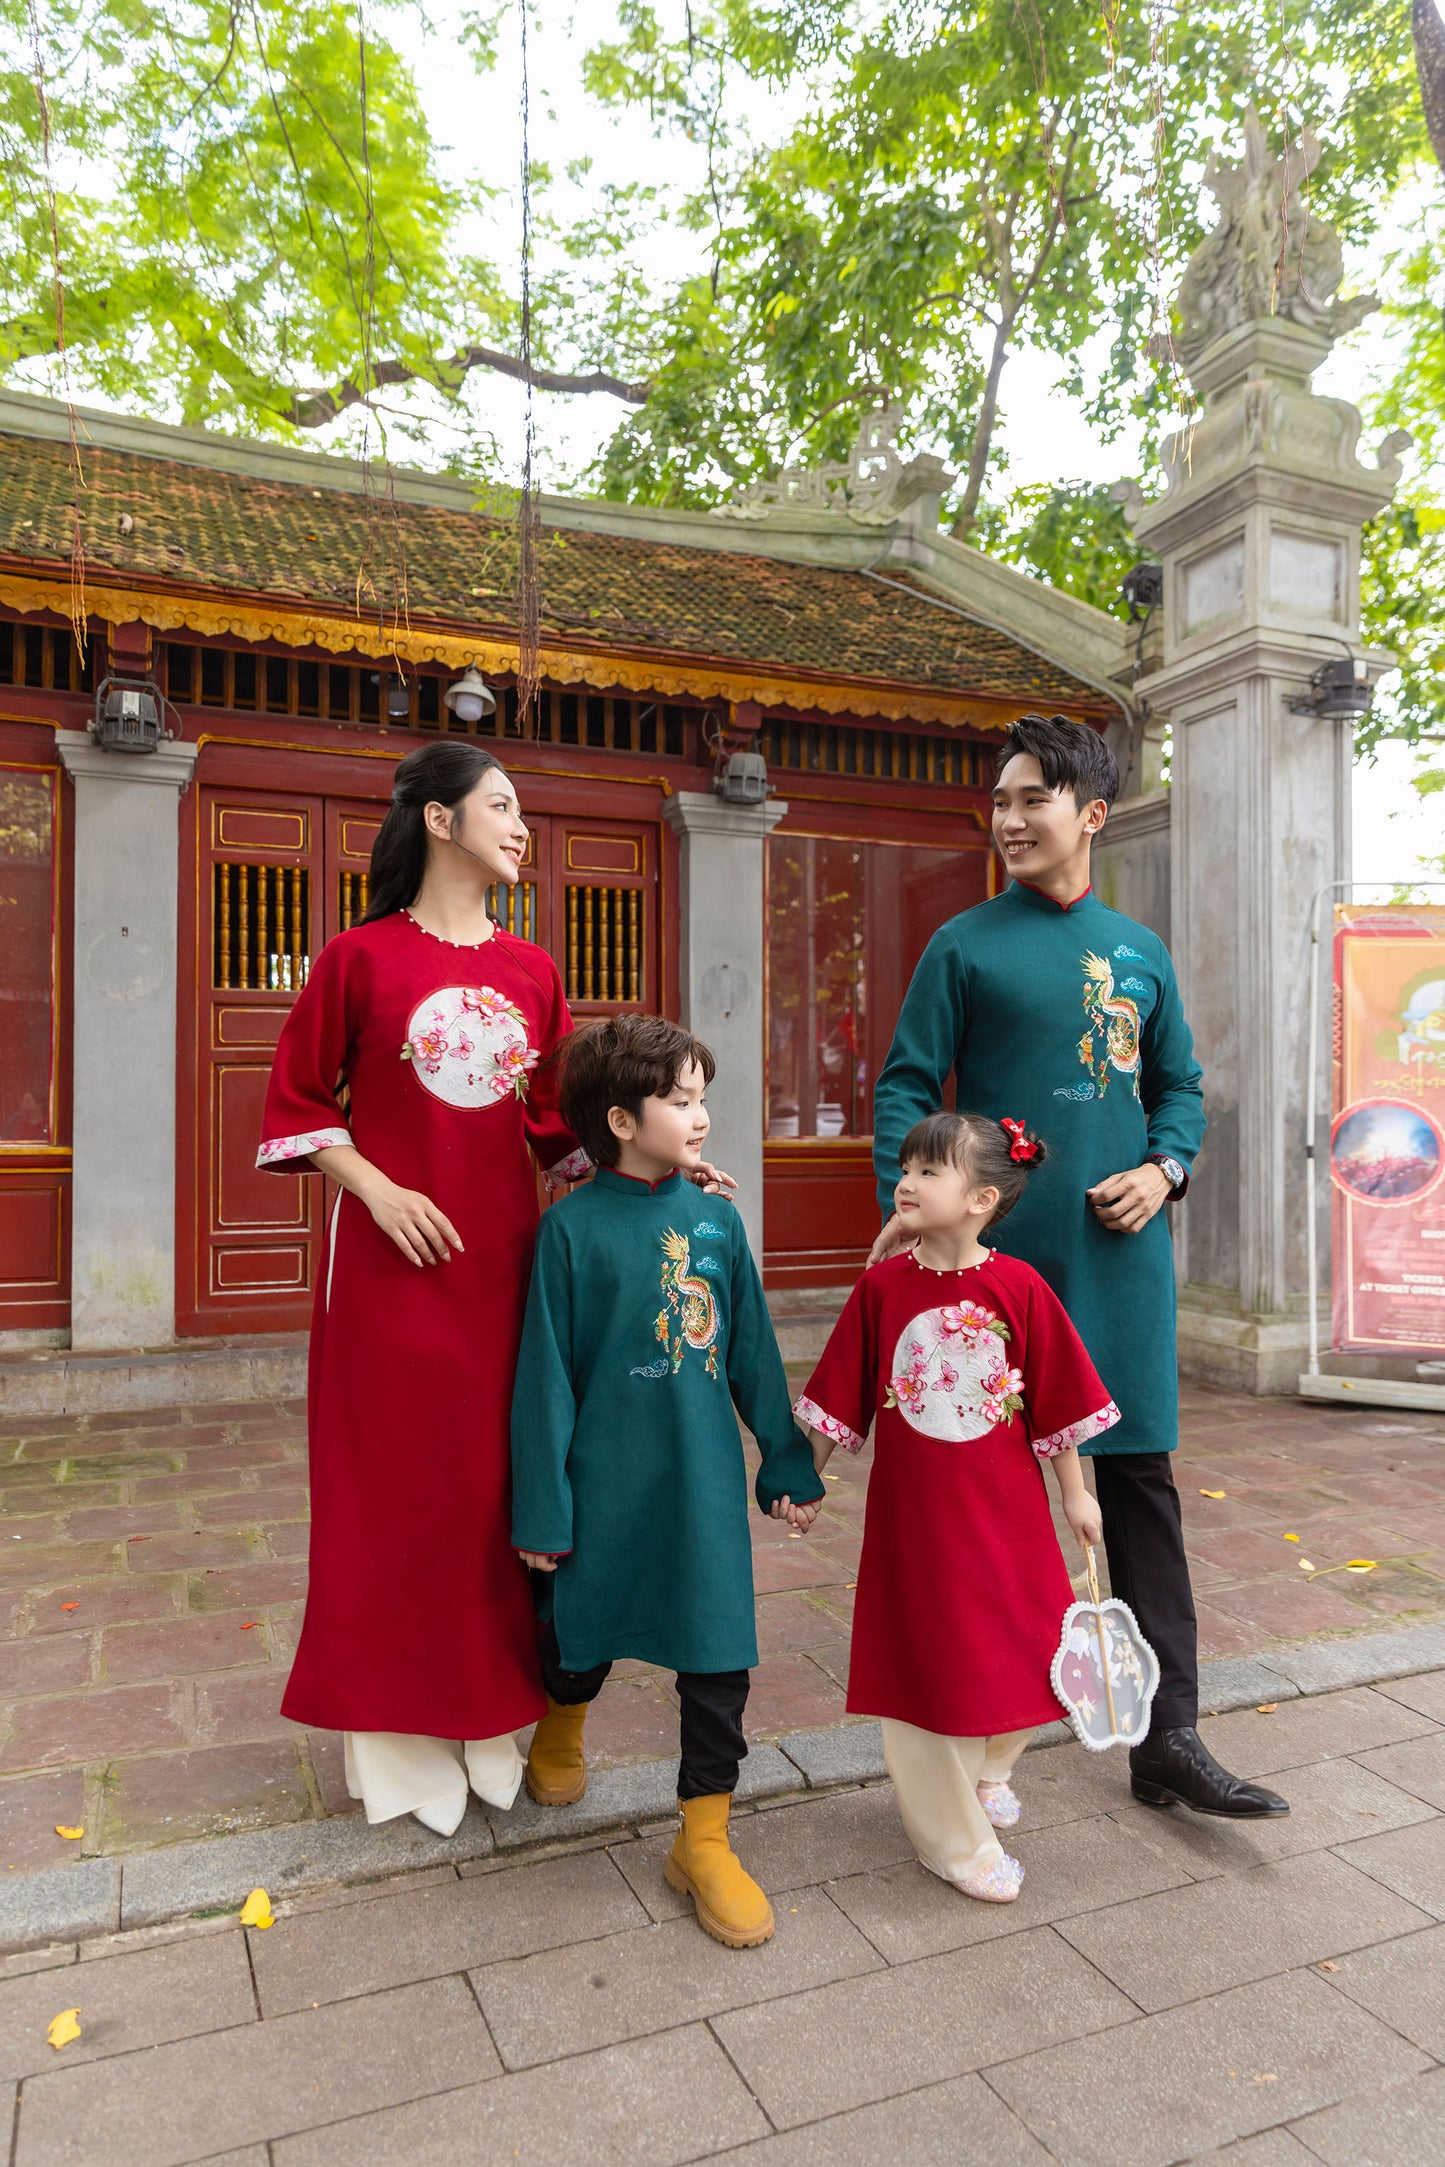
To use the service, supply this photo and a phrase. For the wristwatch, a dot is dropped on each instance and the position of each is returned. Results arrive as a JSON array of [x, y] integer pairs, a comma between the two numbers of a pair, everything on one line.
[[1177, 1178]]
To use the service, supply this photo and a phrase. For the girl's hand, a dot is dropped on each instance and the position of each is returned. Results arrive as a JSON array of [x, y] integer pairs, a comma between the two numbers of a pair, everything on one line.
[[536, 1563], [805, 1513], [1084, 1518], [421, 1232], [710, 1179]]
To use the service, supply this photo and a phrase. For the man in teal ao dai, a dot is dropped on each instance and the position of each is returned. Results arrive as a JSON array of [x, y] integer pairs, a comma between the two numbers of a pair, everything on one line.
[[1052, 1009]]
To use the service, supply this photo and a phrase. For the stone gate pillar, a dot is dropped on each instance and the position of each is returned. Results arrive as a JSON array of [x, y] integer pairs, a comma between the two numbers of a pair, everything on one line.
[[721, 916], [1259, 535], [127, 856]]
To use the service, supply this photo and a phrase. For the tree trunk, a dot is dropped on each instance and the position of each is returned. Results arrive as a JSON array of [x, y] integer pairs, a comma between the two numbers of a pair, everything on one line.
[[983, 433]]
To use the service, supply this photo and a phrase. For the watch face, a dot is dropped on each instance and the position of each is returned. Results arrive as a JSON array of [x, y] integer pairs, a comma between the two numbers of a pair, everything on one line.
[[1174, 1170]]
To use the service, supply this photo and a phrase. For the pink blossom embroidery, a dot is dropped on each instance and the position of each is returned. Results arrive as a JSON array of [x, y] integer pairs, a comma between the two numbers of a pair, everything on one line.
[[483, 1001], [572, 1168], [1078, 1433], [282, 1148], [813, 1417], [971, 1316], [428, 1049]]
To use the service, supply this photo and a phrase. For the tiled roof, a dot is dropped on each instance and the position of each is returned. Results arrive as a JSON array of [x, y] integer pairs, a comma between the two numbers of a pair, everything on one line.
[[210, 531]]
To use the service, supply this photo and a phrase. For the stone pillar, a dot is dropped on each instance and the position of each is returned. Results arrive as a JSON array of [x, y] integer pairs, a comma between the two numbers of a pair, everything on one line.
[[723, 974], [1259, 535], [127, 854]]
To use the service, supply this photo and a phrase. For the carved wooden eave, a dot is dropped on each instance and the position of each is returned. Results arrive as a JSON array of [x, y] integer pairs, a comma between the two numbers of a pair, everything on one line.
[[605, 668]]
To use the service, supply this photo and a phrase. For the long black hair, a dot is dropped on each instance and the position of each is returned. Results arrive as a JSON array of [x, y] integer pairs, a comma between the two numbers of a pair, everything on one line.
[[441, 774]]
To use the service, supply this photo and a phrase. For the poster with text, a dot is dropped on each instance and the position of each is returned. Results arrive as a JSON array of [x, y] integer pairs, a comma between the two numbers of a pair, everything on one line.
[[1387, 1136]]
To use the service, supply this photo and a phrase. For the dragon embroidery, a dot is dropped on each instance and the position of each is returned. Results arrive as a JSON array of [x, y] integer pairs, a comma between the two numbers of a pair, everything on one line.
[[1111, 1041], [689, 1316]]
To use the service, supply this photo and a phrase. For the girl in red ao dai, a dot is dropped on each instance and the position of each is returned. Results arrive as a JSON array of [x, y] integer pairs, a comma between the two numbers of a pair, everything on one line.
[[974, 1376]]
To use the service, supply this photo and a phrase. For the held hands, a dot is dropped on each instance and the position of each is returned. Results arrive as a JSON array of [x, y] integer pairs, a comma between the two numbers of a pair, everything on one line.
[[536, 1563], [800, 1516], [1125, 1203]]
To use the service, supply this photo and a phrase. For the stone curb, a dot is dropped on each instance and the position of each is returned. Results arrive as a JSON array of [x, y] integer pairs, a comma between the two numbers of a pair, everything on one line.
[[145, 1888]]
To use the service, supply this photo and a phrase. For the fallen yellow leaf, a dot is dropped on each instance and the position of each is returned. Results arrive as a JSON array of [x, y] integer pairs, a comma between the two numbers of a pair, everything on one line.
[[71, 1835], [1326, 1965], [1359, 1565], [1291, 1538], [1214, 1493], [1305, 1566], [1266, 1708], [62, 2029], [256, 1911]]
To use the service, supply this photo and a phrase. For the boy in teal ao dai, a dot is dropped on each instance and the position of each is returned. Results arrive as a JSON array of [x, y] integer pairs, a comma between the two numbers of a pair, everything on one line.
[[1046, 1005], [645, 1327]]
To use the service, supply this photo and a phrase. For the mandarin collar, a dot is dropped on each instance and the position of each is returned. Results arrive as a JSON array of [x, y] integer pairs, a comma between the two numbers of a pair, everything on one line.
[[609, 1177], [1033, 898]]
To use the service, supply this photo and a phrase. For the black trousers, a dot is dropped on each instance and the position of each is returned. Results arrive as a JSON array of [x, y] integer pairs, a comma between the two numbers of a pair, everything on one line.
[[712, 1716], [1144, 1542]]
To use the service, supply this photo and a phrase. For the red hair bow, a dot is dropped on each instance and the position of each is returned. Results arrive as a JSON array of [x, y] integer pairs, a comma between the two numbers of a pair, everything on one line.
[[1023, 1148]]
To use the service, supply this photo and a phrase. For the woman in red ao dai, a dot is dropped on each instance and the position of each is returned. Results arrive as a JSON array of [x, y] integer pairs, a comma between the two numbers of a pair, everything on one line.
[[973, 1375], [419, 1641]]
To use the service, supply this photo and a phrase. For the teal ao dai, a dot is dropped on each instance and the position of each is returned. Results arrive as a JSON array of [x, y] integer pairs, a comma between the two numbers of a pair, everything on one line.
[[645, 1327], [1069, 1019]]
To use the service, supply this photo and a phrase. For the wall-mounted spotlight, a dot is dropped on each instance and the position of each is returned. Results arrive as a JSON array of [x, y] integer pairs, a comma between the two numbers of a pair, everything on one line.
[[1340, 690]]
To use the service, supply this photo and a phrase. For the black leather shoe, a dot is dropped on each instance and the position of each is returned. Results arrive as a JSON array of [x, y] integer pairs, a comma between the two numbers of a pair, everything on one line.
[[1176, 1768]]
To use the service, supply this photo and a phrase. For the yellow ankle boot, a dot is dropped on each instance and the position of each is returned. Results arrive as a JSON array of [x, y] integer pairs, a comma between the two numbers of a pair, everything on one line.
[[702, 1863], [556, 1765]]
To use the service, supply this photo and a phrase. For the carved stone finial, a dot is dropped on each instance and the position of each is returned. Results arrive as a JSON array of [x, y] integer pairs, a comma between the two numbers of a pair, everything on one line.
[[1269, 256], [873, 485]]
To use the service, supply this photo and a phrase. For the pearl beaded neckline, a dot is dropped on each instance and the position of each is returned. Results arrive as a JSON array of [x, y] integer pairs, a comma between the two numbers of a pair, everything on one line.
[[442, 940], [953, 1271]]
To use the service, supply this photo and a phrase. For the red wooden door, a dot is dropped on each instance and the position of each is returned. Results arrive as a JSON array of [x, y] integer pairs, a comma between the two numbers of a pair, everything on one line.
[[261, 907]]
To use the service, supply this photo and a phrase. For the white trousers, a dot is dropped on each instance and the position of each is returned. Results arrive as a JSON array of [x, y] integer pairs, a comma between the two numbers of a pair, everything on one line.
[[395, 1772], [936, 1780]]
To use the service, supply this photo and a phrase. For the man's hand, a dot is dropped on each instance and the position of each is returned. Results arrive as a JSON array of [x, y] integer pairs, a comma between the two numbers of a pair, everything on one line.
[[894, 1239], [1126, 1202], [536, 1563], [711, 1180]]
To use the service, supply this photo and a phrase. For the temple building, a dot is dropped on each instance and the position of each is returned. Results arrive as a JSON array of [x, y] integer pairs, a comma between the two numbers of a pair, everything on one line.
[[303, 619]]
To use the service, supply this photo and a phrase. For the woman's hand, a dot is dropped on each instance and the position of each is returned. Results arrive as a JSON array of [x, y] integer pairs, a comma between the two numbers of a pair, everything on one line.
[[423, 1234], [536, 1563], [413, 1222], [710, 1179], [894, 1239]]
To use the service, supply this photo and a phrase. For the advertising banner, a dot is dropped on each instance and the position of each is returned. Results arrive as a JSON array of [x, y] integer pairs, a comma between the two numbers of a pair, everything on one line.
[[1387, 1136]]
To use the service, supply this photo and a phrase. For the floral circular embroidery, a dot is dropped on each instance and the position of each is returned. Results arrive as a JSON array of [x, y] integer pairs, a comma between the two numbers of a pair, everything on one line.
[[468, 1046], [951, 1377]]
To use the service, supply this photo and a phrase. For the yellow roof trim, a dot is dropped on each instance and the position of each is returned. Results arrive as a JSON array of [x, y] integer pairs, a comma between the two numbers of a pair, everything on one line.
[[607, 669]]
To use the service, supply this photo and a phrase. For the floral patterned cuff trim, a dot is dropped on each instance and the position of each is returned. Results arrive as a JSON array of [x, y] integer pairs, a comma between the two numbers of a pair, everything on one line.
[[1077, 1433], [812, 1417], [572, 1168], [282, 1148]]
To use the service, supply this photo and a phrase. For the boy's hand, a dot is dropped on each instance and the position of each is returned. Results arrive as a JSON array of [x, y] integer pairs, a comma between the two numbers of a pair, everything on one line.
[[710, 1179], [536, 1563], [1084, 1518], [894, 1238]]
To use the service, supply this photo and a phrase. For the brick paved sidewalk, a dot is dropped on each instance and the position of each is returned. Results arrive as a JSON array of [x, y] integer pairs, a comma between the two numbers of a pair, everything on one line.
[[153, 1568], [1165, 1987]]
